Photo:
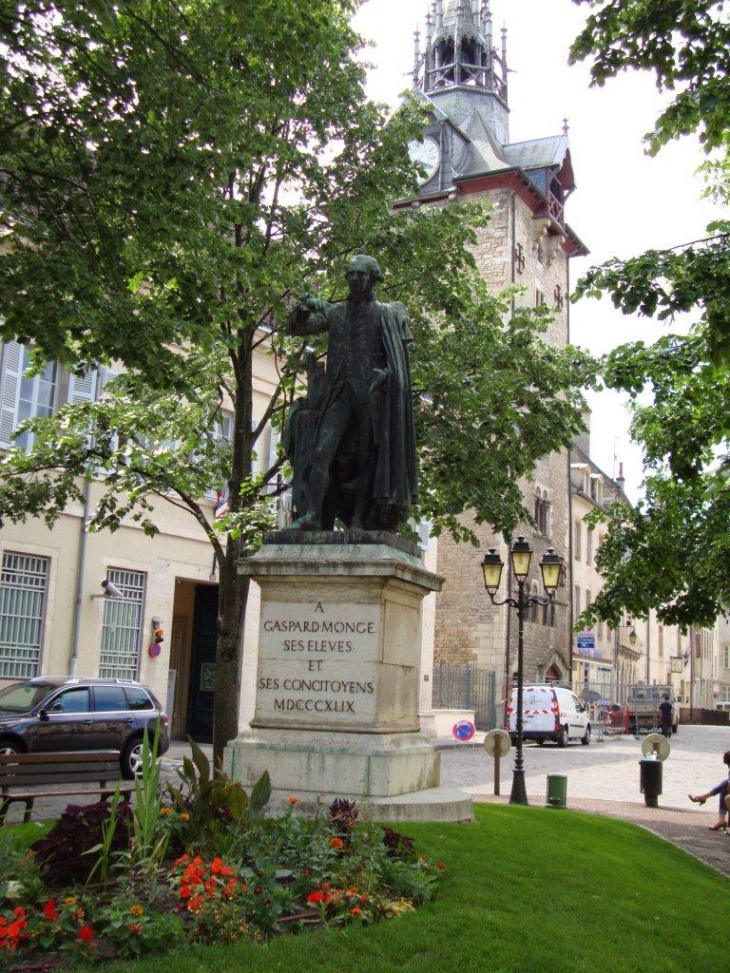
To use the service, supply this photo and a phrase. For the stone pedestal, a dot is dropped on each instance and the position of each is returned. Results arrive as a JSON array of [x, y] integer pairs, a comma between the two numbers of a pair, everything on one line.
[[338, 669]]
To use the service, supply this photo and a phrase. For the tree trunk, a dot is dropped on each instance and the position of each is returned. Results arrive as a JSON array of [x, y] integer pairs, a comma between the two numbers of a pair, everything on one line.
[[232, 600]]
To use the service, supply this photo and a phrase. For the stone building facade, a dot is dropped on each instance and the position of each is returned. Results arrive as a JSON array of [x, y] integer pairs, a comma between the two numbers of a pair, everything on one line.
[[467, 154]]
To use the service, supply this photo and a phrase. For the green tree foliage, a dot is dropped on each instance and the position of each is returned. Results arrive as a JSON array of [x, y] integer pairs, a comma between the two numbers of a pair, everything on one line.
[[172, 177], [670, 553]]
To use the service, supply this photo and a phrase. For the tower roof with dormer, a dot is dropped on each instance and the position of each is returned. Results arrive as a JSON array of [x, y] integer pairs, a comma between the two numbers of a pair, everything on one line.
[[462, 77]]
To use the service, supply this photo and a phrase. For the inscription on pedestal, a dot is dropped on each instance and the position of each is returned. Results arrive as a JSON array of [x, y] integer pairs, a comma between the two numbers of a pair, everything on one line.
[[318, 663]]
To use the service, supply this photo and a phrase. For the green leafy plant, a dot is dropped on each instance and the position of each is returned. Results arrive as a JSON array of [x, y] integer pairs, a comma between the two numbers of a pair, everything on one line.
[[211, 802], [131, 929]]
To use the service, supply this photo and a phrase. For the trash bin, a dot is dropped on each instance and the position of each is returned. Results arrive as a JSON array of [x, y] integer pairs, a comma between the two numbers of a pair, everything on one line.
[[557, 791], [651, 781]]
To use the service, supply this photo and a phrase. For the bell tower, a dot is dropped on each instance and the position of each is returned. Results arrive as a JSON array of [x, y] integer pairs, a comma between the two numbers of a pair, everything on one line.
[[465, 153], [460, 70]]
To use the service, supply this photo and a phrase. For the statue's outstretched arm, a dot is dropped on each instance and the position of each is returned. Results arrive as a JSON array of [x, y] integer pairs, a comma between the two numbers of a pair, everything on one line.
[[310, 316]]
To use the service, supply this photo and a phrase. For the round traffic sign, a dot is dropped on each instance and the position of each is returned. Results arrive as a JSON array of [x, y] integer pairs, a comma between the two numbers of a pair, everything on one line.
[[497, 743], [463, 730]]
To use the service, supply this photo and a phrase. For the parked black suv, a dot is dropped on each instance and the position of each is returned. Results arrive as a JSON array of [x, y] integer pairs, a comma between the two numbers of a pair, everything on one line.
[[47, 714]]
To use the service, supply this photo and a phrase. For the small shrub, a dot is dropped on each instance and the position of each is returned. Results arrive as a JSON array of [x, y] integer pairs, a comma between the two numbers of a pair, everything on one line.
[[130, 929], [64, 854], [217, 922]]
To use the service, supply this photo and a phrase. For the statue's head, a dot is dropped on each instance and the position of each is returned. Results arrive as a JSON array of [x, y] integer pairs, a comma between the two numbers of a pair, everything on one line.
[[364, 264]]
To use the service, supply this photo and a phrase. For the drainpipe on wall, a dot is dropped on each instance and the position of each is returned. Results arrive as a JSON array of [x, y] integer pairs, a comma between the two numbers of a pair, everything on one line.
[[97, 387], [80, 570]]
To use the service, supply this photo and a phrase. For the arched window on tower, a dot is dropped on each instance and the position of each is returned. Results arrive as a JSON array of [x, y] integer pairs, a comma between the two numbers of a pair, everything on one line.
[[542, 512]]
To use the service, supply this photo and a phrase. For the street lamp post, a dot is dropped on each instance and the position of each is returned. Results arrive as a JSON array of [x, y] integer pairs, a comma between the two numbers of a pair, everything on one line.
[[550, 568]]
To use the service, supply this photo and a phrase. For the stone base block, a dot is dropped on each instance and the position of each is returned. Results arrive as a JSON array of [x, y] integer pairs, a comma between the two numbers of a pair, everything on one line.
[[316, 766], [435, 804]]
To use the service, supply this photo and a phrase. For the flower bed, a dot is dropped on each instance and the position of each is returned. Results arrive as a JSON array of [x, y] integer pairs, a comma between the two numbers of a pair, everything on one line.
[[199, 863]]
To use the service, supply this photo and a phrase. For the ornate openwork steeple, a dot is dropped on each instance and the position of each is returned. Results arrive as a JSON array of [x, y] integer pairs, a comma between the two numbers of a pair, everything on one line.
[[460, 64], [459, 48]]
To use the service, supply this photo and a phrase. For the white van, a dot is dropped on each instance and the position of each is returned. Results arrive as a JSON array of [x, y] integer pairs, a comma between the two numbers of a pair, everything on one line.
[[549, 713]]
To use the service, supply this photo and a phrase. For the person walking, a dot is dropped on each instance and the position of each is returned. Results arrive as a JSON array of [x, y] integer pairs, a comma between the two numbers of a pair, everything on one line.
[[721, 790], [666, 716]]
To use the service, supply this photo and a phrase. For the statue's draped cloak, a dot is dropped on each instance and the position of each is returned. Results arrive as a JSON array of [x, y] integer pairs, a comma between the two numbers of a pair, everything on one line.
[[395, 474]]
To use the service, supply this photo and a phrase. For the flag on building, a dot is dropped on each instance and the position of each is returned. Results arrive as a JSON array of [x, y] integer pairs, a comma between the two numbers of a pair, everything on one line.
[[221, 503]]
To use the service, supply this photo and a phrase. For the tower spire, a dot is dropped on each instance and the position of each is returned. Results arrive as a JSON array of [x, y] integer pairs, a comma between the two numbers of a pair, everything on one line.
[[461, 64]]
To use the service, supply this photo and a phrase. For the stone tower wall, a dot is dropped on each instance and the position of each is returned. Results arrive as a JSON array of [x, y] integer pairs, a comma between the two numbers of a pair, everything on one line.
[[468, 628]]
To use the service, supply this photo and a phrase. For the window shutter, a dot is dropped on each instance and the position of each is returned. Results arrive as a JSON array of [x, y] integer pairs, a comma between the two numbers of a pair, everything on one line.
[[424, 534], [274, 440], [82, 388], [10, 376]]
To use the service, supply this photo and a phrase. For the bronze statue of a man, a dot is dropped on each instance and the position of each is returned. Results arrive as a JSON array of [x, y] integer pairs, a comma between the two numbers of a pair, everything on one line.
[[352, 441]]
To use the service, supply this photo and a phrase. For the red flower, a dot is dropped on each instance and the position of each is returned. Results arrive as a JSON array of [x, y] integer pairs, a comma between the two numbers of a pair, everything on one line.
[[317, 896], [337, 843], [49, 910], [355, 911], [86, 933]]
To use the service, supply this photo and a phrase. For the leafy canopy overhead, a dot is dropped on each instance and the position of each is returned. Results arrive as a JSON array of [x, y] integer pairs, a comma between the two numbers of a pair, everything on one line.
[[670, 553], [173, 177], [685, 43]]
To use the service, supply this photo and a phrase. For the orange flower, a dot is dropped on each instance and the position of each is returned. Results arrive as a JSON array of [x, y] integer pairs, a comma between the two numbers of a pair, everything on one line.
[[293, 799], [136, 910], [184, 816], [355, 911], [135, 927], [337, 843], [165, 811]]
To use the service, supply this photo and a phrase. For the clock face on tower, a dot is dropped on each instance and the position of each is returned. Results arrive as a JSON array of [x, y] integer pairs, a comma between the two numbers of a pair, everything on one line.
[[427, 154]]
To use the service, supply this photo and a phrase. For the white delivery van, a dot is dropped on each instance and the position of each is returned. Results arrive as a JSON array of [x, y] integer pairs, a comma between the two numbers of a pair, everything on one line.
[[549, 713]]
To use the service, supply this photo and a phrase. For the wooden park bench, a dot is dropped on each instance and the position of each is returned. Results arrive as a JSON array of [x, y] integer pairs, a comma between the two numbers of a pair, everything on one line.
[[26, 776]]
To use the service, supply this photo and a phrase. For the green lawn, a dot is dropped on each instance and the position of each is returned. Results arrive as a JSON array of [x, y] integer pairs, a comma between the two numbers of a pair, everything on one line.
[[526, 890]]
